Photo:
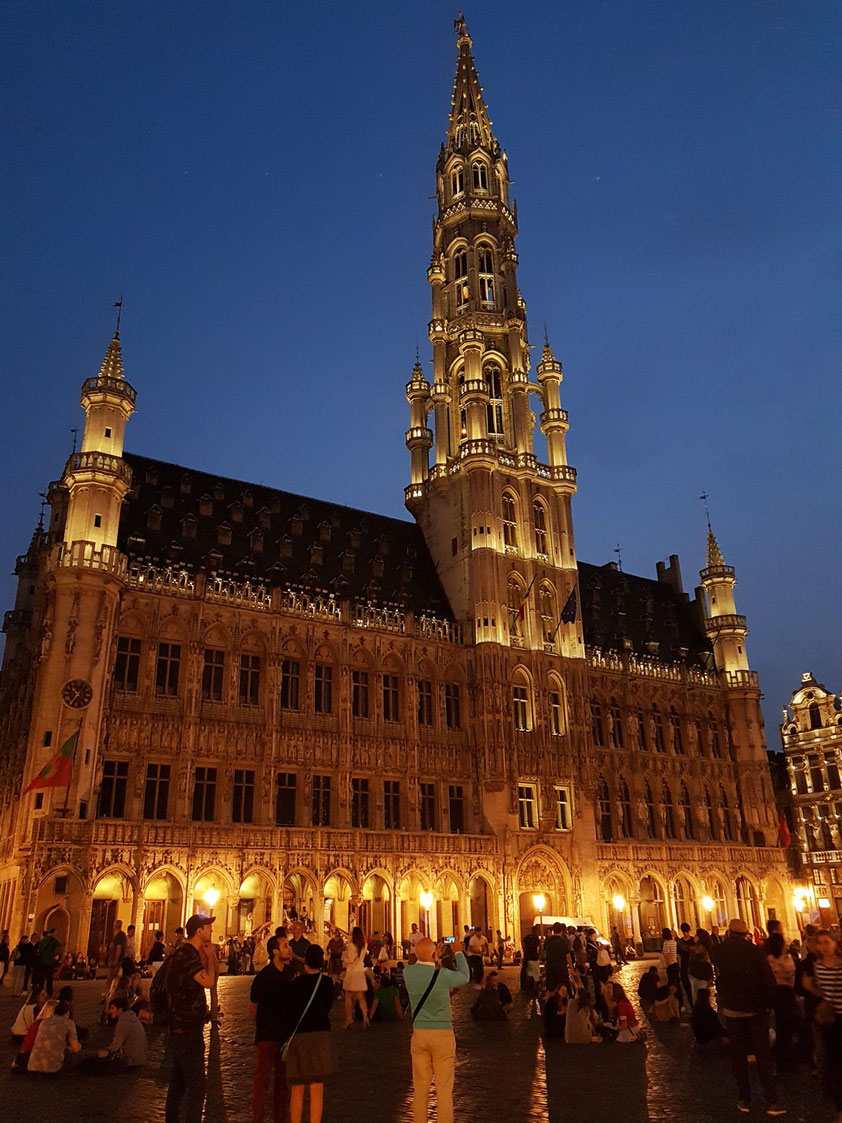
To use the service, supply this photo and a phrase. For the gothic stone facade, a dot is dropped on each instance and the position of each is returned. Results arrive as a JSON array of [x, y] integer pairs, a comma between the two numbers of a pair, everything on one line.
[[279, 699]]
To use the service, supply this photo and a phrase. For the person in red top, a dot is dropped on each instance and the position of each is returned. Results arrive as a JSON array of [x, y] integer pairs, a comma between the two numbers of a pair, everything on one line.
[[626, 1017]]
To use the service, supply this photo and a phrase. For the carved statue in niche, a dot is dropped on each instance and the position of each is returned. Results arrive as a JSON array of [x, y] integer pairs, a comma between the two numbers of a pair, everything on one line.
[[642, 811]]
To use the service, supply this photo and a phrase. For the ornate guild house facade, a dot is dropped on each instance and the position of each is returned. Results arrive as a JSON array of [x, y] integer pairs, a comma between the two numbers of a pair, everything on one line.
[[271, 699]]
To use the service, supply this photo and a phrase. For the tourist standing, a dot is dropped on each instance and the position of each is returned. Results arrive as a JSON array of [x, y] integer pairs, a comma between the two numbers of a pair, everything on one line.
[[531, 972], [157, 953], [745, 985], [354, 981], [298, 944], [825, 983], [22, 963], [433, 1041], [557, 957], [335, 951], [685, 946], [617, 946], [270, 1007], [47, 954], [115, 953], [310, 1058], [129, 960], [783, 1002], [669, 955], [477, 949], [499, 948], [186, 982]]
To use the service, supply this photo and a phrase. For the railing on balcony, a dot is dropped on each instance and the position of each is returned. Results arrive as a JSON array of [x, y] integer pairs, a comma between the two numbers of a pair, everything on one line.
[[103, 384], [382, 617], [746, 679], [726, 621], [323, 606], [87, 555], [102, 462], [248, 594], [161, 578]]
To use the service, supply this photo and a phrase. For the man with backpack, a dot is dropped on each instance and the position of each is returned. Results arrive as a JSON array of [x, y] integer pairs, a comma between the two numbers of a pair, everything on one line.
[[186, 980], [433, 1040]]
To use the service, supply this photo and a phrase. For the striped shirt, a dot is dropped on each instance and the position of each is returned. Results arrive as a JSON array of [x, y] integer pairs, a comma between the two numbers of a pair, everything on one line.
[[829, 982], [670, 952]]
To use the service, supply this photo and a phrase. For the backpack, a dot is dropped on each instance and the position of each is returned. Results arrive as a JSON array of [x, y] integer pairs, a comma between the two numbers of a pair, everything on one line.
[[603, 959], [159, 995]]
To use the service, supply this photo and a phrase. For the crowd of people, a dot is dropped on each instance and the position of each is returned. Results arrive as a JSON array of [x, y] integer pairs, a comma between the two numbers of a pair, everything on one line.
[[753, 995]]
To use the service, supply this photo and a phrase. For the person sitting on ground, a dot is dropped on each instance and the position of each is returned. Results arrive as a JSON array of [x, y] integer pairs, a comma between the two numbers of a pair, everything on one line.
[[56, 1038], [493, 1002], [28, 1013], [157, 953], [555, 1012], [128, 1048], [580, 1024], [626, 1019], [665, 1008], [386, 1006], [648, 987], [81, 971], [705, 1021], [66, 995]]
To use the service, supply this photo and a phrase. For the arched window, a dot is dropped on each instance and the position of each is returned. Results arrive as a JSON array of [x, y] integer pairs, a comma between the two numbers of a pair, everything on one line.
[[651, 812], [597, 730], [667, 812], [539, 521], [815, 716], [615, 725], [687, 812], [460, 279], [697, 737], [479, 176], [509, 521], [658, 730], [686, 909], [725, 817], [485, 275], [521, 702], [710, 814], [675, 729], [624, 817], [606, 825], [514, 601], [747, 902], [546, 608], [494, 381], [640, 732], [558, 707], [457, 181], [713, 735]]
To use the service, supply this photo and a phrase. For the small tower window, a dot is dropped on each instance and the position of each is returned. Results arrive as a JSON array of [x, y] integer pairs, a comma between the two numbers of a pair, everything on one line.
[[460, 278], [97, 520], [457, 182], [479, 176], [107, 431], [509, 521], [485, 271], [539, 519]]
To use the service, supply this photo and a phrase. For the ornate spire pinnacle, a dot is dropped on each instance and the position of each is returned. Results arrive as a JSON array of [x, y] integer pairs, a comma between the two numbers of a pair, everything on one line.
[[715, 557], [469, 122], [112, 364]]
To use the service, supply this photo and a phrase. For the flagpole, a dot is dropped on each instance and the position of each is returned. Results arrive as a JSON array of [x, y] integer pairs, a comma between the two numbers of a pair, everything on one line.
[[64, 811]]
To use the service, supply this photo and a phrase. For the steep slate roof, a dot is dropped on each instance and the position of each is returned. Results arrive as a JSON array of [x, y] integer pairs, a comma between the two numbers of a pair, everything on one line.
[[182, 516]]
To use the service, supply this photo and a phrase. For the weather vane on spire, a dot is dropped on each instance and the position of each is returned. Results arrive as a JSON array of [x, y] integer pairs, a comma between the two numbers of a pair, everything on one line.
[[459, 25], [704, 497], [118, 304], [619, 554]]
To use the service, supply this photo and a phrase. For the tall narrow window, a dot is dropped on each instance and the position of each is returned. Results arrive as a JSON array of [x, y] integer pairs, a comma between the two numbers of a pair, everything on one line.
[[457, 181], [428, 806], [515, 608], [127, 664], [391, 805], [204, 795], [323, 689], [546, 609], [249, 680], [675, 728], [359, 694], [494, 382], [213, 675], [452, 706], [606, 819], [321, 801], [615, 725], [425, 702], [285, 790], [112, 792], [509, 521], [460, 279], [290, 684], [624, 811], [563, 818], [242, 804], [359, 802], [815, 716], [520, 707], [479, 176], [485, 275], [166, 672], [556, 712], [687, 813], [456, 808], [391, 698], [651, 812], [539, 521], [667, 812], [597, 727], [156, 791], [658, 730], [527, 802]]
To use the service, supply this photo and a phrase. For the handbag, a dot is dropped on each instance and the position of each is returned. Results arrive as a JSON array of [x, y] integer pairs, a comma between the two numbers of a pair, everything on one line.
[[426, 994], [288, 1042]]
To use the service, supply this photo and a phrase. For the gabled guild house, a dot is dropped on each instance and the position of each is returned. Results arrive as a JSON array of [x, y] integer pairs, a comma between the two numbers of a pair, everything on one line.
[[230, 696]]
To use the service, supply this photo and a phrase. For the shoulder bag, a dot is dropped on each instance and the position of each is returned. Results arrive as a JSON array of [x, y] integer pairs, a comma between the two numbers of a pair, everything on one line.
[[288, 1042], [426, 994]]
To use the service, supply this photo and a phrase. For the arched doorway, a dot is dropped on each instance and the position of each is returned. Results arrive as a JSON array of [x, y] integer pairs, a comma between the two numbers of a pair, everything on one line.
[[539, 891], [163, 909], [412, 911], [719, 912], [617, 907], [651, 908], [212, 896], [59, 905], [747, 904], [480, 898], [450, 915], [254, 907], [686, 906], [338, 905], [300, 897], [376, 906], [113, 899]]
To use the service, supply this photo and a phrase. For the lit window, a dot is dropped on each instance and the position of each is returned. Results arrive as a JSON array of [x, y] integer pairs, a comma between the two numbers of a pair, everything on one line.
[[494, 383], [539, 521], [213, 675], [485, 275], [425, 702], [514, 597], [527, 802], [509, 521], [452, 705], [460, 279], [563, 818], [457, 181], [520, 707], [556, 714], [323, 693], [546, 609], [479, 176]]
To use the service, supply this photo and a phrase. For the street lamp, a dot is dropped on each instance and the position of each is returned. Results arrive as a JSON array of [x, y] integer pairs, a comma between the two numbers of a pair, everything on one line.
[[708, 903], [539, 901], [426, 899], [619, 902], [211, 897]]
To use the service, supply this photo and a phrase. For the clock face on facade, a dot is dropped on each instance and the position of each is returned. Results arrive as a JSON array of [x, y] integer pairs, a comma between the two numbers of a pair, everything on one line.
[[77, 693]]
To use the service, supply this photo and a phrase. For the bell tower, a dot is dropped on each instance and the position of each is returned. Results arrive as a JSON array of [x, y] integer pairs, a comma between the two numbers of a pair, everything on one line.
[[497, 522]]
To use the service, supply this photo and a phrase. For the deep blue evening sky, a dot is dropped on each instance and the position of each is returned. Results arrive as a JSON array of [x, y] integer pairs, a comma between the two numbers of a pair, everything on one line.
[[256, 179]]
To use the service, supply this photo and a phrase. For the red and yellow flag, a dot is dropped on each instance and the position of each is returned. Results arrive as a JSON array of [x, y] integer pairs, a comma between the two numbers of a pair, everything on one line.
[[57, 772]]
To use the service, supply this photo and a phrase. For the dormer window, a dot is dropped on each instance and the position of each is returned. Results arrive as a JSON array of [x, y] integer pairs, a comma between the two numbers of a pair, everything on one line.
[[264, 518], [316, 553], [485, 272], [188, 526], [223, 534], [186, 484], [457, 182], [218, 491], [236, 512], [285, 546], [324, 532], [479, 176], [153, 518], [205, 505], [167, 497], [248, 499], [256, 541], [296, 525]]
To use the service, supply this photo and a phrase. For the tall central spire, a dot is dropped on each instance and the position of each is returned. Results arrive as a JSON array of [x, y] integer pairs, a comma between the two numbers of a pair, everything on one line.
[[469, 123]]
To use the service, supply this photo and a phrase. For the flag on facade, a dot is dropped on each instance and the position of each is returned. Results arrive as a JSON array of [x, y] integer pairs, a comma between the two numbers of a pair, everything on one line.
[[784, 837], [57, 772], [521, 612], [568, 613]]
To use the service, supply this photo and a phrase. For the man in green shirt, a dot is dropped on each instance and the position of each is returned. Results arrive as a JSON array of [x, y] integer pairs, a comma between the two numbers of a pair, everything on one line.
[[433, 1040]]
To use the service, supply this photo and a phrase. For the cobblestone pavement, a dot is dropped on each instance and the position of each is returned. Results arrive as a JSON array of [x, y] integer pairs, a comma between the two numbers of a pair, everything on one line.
[[503, 1074]]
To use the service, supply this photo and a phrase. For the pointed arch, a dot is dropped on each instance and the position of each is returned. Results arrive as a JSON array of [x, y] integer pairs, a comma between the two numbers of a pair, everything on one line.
[[523, 710], [515, 593], [605, 815], [557, 697], [547, 611], [540, 524], [510, 520]]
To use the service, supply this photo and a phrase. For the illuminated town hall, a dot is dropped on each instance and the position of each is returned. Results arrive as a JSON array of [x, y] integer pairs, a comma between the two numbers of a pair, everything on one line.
[[282, 700]]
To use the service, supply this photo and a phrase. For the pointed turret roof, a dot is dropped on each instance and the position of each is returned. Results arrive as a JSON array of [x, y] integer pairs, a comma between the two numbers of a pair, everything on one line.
[[112, 364], [715, 557], [469, 121]]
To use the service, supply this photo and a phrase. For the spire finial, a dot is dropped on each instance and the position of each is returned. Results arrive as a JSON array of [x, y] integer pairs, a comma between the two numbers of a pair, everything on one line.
[[715, 557], [619, 553], [118, 304], [461, 29], [704, 497], [469, 124]]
